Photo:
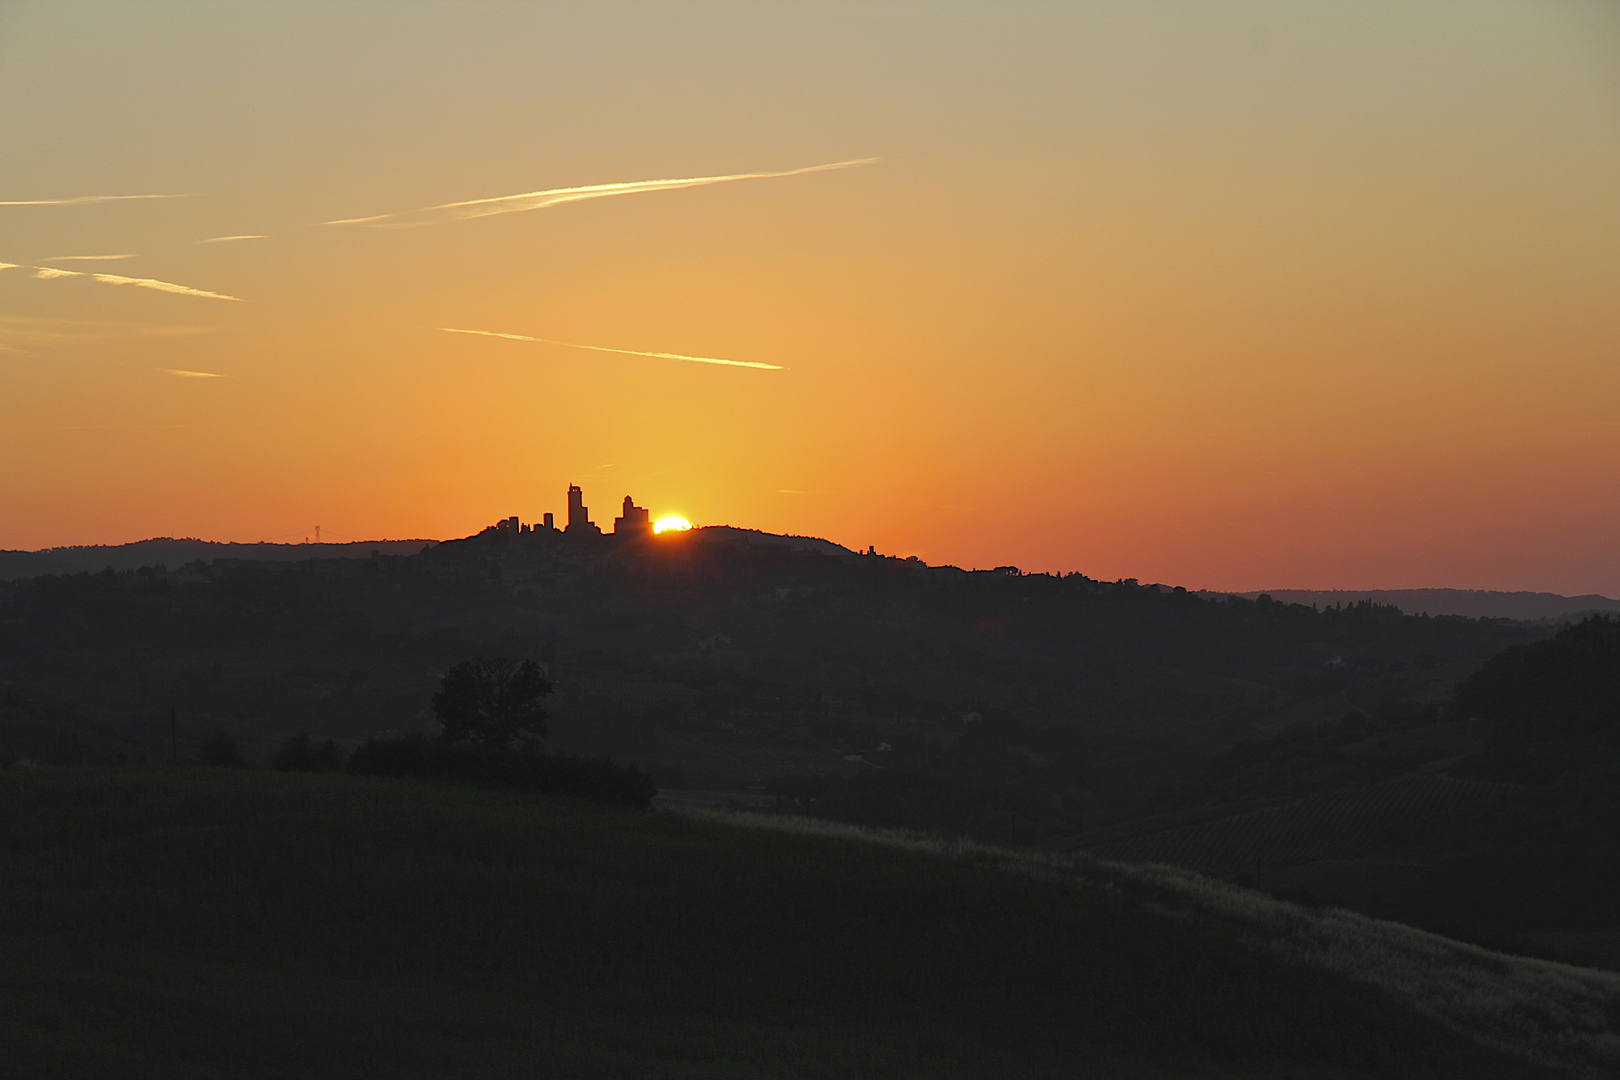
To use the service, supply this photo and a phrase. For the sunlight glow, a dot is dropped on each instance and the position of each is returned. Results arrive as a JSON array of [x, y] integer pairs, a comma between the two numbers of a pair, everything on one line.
[[671, 524]]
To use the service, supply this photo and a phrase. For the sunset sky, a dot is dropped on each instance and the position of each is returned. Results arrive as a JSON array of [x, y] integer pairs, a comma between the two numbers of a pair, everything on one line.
[[1232, 295]]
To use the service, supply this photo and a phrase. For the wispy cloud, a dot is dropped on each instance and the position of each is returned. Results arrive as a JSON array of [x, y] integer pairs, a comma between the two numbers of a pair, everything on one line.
[[85, 199], [9, 266], [88, 258], [625, 352], [539, 200], [227, 239], [189, 374], [162, 286], [49, 272], [128, 427], [31, 329], [38, 331]]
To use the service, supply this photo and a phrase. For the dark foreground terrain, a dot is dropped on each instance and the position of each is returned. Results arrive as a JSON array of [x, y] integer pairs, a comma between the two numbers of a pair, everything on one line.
[[195, 922], [1322, 753]]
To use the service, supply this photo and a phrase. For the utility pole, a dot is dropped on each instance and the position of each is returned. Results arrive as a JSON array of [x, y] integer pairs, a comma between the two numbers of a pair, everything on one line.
[[174, 738], [317, 534]]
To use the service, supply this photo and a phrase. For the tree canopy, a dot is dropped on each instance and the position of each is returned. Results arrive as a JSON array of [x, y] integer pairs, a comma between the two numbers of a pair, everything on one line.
[[492, 702]]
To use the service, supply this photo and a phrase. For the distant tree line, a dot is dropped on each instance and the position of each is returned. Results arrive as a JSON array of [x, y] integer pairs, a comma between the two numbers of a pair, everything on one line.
[[492, 726]]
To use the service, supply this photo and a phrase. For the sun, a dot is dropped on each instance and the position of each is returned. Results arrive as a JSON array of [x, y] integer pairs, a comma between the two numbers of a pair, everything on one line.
[[671, 524]]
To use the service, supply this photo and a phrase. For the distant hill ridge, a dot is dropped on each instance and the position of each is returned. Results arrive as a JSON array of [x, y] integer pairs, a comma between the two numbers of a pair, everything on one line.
[[756, 536], [1474, 603], [177, 552], [172, 552]]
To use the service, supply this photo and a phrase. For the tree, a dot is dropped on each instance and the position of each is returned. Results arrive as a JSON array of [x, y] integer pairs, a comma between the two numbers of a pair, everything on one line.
[[492, 702], [300, 754], [221, 749]]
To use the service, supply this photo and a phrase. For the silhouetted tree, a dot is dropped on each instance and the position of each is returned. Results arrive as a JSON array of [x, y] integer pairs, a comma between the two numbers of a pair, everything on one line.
[[492, 702], [299, 754], [221, 749]]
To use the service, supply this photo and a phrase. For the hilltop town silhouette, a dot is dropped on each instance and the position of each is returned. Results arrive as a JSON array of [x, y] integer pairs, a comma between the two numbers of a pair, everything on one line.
[[633, 521]]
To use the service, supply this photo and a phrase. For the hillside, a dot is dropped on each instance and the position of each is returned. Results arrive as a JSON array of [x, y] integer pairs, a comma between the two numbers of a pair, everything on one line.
[[168, 551], [1305, 751], [1471, 603], [1010, 707], [1492, 818], [194, 922]]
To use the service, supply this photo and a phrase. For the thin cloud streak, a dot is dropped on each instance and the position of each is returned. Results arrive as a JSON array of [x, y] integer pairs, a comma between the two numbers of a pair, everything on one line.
[[34, 329], [226, 239], [162, 286], [49, 272], [625, 352], [83, 200], [9, 266], [189, 374], [127, 427], [539, 200], [88, 258]]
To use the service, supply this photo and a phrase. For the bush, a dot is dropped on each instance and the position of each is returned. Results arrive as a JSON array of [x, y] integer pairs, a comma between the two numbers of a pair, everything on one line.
[[221, 750], [299, 754], [523, 769]]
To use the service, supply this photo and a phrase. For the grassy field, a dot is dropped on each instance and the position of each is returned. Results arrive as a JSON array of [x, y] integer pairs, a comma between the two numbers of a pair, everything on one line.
[[189, 922], [1334, 825]]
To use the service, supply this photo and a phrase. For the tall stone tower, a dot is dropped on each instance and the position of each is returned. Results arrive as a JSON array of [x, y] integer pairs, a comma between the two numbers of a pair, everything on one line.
[[633, 521], [579, 515]]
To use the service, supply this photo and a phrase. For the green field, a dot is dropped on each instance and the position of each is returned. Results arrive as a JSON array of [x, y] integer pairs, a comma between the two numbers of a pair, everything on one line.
[[190, 922]]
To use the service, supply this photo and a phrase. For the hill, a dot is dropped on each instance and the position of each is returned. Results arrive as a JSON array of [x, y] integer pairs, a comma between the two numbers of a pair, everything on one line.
[[1305, 751], [1472, 603], [1010, 707], [167, 551], [196, 922], [1492, 818]]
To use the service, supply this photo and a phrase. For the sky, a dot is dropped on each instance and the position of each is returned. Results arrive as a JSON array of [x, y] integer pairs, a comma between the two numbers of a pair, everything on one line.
[[1231, 296]]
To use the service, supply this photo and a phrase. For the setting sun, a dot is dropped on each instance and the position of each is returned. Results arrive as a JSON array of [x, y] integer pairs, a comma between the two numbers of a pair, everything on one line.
[[671, 524]]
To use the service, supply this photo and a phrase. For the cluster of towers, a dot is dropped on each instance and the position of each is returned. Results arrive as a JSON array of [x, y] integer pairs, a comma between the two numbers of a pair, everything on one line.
[[634, 521]]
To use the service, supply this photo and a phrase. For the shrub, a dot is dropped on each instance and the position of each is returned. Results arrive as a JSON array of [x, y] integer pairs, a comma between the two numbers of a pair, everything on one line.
[[523, 769]]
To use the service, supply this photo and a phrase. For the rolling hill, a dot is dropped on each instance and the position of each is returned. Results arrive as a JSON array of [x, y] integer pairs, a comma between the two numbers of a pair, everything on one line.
[[1472, 603], [200, 922]]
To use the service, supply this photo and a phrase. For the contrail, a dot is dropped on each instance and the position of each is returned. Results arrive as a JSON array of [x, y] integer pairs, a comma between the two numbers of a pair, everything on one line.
[[88, 258], [189, 374], [224, 239], [88, 329], [83, 199], [162, 286], [49, 272], [539, 200], [626, 352]]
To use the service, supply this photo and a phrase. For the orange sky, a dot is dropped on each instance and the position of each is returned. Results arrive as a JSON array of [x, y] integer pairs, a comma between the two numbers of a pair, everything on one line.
[[1231, 296]]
